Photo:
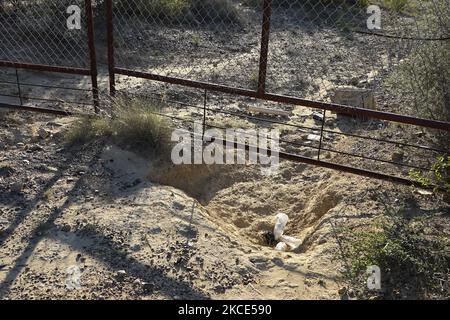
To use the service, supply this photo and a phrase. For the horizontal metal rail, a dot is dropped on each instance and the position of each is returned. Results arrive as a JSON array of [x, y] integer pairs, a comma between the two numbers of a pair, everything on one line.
[[36, 109], [48, 68], [23, 84], [324, 164], [358, 112], [302, 127], [337, 151]]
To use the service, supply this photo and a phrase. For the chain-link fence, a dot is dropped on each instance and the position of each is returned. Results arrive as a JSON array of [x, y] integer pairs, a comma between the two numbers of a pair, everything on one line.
[[36, 32], [320, 47], [316, 48], [211, 41], [53, 36], [388, 56]]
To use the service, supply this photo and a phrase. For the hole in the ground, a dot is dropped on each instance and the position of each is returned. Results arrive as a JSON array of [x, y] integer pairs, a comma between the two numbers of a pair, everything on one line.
[[268, 239]]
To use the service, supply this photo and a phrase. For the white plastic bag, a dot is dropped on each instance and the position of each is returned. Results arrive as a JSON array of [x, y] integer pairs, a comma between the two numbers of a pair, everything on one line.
[[280, 224], [281, 246], [286, 243], [292, 242]]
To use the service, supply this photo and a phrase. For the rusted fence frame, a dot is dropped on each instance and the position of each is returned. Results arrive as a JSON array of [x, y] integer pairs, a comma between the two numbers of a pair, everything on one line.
[[353, 111], [261, 94], [91, 71]]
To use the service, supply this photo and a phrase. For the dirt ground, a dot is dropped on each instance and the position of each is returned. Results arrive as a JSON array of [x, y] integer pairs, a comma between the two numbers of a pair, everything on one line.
[[133, 228], [198, 233]]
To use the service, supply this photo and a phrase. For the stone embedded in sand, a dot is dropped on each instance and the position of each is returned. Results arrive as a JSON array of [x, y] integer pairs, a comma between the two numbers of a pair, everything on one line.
[[43, 133], [120, 275], [398, 156], [318, 116], [281, 246]]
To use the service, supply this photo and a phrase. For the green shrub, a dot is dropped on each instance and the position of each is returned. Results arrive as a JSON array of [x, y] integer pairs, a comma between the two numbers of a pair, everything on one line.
[[413, 263], [439, 174], [396, 5], [183, 11], [421, 81], [307, 3]]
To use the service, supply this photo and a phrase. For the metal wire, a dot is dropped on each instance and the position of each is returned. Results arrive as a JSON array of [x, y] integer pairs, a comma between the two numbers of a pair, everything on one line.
[[36, 32]]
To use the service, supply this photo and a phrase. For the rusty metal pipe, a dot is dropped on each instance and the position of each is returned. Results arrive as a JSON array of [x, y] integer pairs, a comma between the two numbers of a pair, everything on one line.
[[45, 68]]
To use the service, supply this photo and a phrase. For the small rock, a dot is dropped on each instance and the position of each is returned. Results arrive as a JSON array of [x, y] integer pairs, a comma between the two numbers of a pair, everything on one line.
[[120, 275], [351, 293], [330, 122], [179, 206], [156, 230], [148, 287], [43, 133], [424, 192], [219, 289], [398, 156], [35, 148], [136, 248], [342, 291], [313, 137], [318, 116]]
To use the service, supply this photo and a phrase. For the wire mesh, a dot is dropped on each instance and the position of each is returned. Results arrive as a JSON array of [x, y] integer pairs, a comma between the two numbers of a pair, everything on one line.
[[213, 41], [36, 32], [399, 50], [316, 47]]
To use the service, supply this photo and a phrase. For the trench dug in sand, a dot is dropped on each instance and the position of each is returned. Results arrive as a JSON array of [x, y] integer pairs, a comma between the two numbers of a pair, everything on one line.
[[236, 205], [241, 200]]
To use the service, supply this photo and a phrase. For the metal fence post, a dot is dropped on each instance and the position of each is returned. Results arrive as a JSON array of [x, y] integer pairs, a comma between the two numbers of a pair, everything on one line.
[[92, 53], [19, 91], [110, 30], [321, 134], [265, 36], [205, 101]]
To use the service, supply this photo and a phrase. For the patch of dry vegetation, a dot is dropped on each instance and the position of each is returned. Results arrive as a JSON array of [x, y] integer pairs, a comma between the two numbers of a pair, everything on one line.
[[134, 124]]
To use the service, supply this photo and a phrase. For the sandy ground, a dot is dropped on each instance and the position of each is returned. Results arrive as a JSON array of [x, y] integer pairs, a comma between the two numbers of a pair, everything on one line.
[[196, 234], [132, 228]]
